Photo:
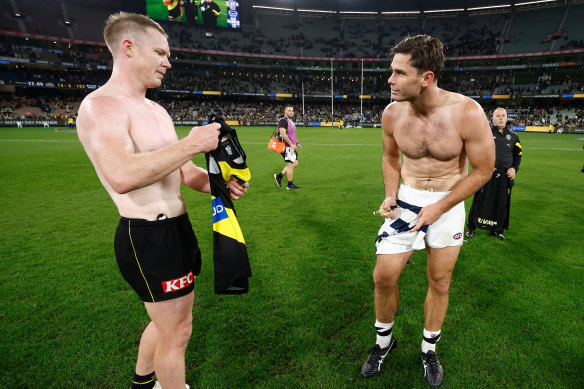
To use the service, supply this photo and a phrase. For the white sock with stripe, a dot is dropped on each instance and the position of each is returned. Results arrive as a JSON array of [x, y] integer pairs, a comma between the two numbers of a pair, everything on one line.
[[430, 340], [383, 333]]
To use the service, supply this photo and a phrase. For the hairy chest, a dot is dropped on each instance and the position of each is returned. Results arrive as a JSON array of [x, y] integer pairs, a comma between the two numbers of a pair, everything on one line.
[[431, 138]]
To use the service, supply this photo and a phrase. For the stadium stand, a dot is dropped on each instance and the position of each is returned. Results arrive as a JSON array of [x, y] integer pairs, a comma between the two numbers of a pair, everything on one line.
[[284, 56], [531, 31]]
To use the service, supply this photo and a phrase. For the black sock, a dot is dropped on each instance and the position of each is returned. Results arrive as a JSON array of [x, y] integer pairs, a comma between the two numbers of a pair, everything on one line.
[[280, 175], [290, 183], [143, 381]]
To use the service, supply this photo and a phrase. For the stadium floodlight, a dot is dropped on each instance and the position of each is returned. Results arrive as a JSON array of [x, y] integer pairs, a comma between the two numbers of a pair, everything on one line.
[[276, 8], [534, 2], [443, 10], [360, 12], [489, 7], [401, 12], [322, 11]]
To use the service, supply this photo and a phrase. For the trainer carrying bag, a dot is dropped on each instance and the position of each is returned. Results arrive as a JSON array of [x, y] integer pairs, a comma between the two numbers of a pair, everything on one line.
[[276, 144]]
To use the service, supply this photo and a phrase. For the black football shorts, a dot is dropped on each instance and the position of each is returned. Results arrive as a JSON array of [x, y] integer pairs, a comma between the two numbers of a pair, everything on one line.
[[159, 259]]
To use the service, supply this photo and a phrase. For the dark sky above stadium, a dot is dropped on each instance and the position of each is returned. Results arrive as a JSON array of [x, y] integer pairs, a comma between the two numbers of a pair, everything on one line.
[[377, 5]]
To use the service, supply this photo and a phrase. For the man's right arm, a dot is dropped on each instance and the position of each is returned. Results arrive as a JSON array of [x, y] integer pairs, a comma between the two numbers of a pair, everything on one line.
[[391, 162], [104, 130]]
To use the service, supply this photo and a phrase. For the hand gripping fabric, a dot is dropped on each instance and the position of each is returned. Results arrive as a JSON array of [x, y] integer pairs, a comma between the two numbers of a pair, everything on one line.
[[230, 260], [408, 219]]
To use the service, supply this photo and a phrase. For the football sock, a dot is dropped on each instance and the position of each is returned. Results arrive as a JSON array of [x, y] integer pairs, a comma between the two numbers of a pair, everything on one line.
[[383, 333], [430, 340], [143, 381], [280, 175], [290, 183]]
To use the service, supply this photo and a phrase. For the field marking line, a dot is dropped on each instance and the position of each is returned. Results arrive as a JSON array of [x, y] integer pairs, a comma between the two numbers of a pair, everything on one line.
[[261, 143], [41, 140]]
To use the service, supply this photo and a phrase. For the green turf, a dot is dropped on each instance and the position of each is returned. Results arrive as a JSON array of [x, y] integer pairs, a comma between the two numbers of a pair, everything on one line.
[[68, 320]]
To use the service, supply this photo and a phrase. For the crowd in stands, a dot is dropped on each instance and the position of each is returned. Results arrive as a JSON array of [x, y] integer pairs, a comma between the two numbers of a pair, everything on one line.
[[367, 38], [186, 110], [564, 118], [38, 107], [44, 108], [312, 83]]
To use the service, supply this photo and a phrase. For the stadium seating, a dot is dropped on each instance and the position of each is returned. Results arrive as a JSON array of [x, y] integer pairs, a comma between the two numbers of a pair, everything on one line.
[[74, 67]]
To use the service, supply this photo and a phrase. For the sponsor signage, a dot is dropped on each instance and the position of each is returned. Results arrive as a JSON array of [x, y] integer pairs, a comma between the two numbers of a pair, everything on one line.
[[178, 283], [31, 123]]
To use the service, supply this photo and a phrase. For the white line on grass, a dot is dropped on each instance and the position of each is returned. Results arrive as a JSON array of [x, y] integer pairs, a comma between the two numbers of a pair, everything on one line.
[[261, 143], [379, 144], [39, 140]]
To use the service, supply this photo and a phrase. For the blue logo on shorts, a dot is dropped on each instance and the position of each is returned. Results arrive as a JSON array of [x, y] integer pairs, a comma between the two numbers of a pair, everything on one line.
[[219, 212]]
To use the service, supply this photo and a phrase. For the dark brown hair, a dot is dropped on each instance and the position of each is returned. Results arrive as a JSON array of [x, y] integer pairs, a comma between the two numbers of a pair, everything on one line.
[[426, 53]]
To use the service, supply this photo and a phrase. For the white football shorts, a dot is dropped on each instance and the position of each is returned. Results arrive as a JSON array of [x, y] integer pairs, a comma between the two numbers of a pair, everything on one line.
[[444, 232]]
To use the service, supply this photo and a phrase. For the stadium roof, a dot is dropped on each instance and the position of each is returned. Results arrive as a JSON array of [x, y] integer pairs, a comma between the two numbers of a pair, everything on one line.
[[392, 5]]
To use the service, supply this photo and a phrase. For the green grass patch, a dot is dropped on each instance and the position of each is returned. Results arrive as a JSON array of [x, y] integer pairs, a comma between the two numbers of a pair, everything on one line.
[[68, 319]]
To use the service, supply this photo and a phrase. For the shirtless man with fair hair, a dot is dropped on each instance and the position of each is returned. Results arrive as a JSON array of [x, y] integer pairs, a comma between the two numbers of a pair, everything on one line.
[[438, 133], [140, 161]]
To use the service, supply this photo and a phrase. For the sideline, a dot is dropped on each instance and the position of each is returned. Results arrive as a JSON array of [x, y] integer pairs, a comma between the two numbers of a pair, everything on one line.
[[263, 143]]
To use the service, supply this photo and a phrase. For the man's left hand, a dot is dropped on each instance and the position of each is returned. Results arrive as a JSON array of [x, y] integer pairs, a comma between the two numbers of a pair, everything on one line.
[[428, 215], [511, 173], [236, 190]]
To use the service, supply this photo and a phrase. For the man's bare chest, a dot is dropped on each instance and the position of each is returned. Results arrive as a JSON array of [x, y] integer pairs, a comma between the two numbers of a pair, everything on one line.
[[428, 139], [151, 130]]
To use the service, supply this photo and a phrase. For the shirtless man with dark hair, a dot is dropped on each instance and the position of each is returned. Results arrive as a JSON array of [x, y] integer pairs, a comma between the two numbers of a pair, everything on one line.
[[438, 133]]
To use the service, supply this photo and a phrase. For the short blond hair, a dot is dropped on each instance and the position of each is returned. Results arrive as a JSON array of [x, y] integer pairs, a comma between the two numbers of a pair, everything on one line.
[[125, 24]]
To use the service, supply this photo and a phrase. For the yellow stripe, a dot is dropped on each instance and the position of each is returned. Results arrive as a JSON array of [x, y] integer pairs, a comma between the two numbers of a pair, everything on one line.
[[143, 383], [227, 171], [518, 144], [136, 256], [229, 227]]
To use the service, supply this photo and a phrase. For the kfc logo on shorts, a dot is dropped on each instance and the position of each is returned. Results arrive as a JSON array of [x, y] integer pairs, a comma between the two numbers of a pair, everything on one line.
[[457, 236], [177, 284]]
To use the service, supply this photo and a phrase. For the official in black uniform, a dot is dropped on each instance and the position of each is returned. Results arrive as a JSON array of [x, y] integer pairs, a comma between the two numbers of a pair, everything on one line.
[[491, 204], [210, 11]]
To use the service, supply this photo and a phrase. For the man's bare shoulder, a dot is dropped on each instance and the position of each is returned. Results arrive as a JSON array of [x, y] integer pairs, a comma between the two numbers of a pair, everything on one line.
[[155, 106], [102, 110], [393, 112], [395, 107], [102, 105], [460, 101], [102, 96]]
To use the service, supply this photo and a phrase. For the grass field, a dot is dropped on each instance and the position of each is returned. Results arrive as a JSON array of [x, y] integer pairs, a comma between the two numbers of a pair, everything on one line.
[[68, 319]]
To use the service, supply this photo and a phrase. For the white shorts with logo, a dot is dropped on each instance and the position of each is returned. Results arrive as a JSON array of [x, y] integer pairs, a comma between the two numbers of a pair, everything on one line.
[[444, 232], [290, 155]]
